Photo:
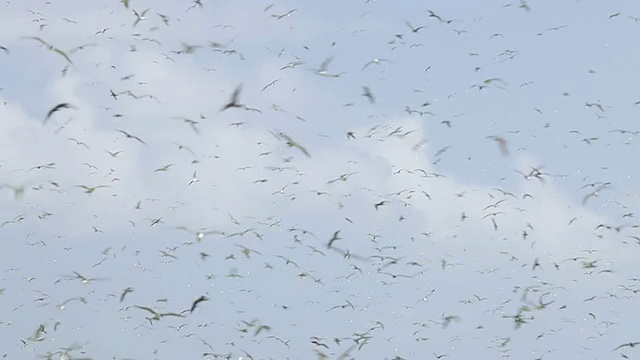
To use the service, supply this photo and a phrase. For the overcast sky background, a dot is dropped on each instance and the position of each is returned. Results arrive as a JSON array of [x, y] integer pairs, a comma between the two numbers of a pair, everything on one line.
[[430, 251]]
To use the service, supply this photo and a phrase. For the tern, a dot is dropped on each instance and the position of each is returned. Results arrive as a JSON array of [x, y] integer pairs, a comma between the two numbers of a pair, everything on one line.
[[291, 143], [322, 70], [233, 102], [58, 108], [129, 136], [201, 233], [278, 17], [414, 29], [50, 47], [157, 315], [375, 62]]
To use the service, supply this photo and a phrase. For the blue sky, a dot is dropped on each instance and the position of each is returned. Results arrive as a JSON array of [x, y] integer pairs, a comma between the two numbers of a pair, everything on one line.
[[444, 239]]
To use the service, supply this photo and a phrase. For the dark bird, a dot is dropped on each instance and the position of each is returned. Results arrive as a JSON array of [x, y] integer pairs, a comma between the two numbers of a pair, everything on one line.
[[502, 144], [381, 203], [233, 103], [129, 136], [50, 47], [278, 17], [414, 29], [366, 92], [58, 108], [334, 238], [125, 292], [198, 301], [435, 16], [630, 344]]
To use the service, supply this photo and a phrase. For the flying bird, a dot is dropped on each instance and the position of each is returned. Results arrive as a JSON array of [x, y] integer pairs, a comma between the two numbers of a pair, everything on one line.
[[198, 301], [129, 136], [156, 315], [139, 17], [278, 17], [114, 153], [595, 193], [292, 143], [200, 234], [164, 168], [630, 344], [366, 92], [57, 108], [375, 62], [125, 292], [50, 47], [502, 144], [233, 102], [269, 85], [323, 69], [434, 15], [334, 238], [191, 123], [414, 29], [91, 189]]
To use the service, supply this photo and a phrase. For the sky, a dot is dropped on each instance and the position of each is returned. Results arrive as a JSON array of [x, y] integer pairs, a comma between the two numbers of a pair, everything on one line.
[[319, 180]]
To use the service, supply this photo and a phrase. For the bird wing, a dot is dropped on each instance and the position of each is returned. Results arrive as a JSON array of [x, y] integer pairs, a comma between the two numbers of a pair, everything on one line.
[[63, 55], [325, 65], [37, 39]]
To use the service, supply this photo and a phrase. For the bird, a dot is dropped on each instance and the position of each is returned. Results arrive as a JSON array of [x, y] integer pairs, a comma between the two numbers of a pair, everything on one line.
[[269, 85], [414, 29], [323, 69], [18, 191], [125, 292], [366, 92], [78, 142], [198, 301], [375, 62], [200, 234], [139, 17], [50, 47], [157, 315], [129, 136], [233, 102], [291, 143], [629, 344], [164, 168], [84, 280], [191, 123], [288, 261], [595, 193], [379, 204], [434, 15], [114, 153], [278, 17], [91, 189], [194, 179], [56, 109], [292, 65], [502, 144]]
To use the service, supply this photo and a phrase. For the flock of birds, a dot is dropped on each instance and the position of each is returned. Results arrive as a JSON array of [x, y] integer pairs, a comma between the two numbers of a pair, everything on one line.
[[251, 181]]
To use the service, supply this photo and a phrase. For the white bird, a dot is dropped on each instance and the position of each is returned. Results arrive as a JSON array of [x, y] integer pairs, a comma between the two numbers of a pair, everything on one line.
[[200, 234], [375, 62]]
